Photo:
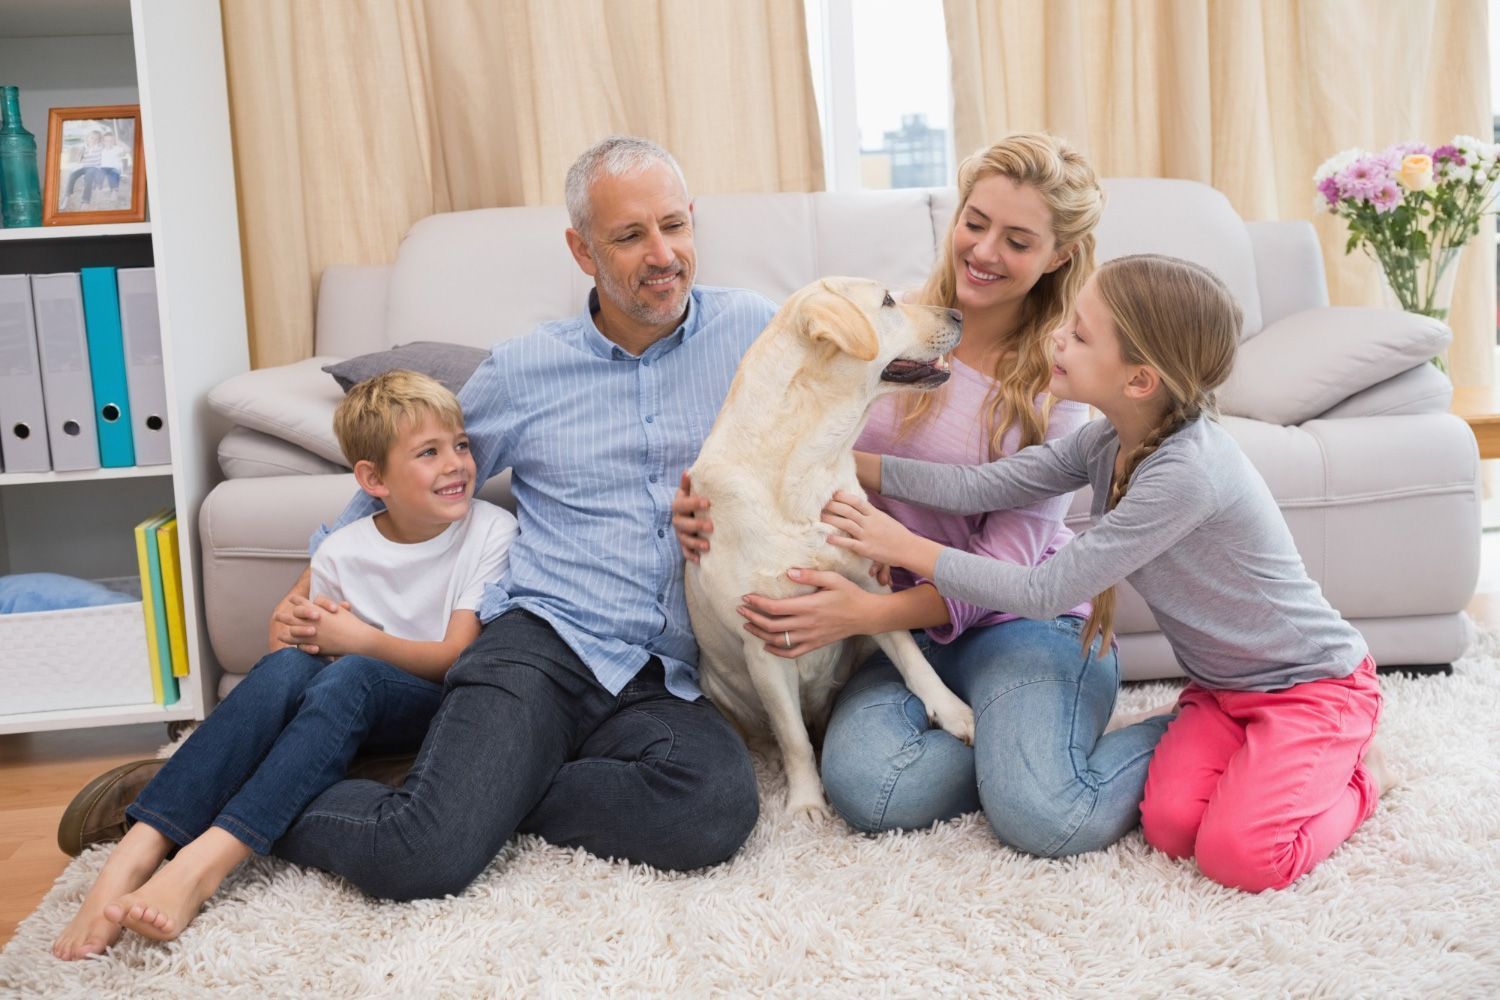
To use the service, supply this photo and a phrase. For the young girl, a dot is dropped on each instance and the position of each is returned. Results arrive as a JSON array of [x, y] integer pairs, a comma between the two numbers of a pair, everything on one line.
[[1050, 782], [1263, 772]]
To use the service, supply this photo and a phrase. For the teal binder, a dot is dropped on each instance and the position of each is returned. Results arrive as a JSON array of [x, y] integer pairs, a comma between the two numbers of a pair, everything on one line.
[[101, 317]]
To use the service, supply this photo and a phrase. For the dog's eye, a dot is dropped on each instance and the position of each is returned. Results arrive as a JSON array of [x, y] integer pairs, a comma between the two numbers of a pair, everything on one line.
[[888, 300]]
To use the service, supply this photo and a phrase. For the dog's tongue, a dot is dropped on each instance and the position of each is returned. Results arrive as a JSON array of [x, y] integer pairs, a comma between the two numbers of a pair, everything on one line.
[[905, 370]]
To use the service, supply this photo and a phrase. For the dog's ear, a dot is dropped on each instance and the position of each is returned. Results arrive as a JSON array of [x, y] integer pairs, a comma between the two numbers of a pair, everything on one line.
[[832, 318]]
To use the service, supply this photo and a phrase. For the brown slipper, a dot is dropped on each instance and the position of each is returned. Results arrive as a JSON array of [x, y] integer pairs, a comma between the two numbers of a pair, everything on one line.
[[97, 813]]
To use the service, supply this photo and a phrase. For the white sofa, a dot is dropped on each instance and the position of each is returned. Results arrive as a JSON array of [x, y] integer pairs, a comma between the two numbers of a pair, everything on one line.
[[1336, 407]]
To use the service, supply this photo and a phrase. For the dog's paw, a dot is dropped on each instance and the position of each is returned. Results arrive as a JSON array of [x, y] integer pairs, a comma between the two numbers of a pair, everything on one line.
[[814, 812], [955, 717]]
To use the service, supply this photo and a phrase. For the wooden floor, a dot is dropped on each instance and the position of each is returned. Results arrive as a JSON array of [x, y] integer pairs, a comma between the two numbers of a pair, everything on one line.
[[41, 772]]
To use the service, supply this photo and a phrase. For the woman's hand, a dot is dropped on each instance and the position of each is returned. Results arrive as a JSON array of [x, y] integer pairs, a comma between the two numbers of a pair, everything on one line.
[[792, 626], [690, 520], [877, 536]]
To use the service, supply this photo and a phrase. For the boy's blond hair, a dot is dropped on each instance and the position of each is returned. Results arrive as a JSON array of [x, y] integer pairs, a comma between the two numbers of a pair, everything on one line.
[[375, 412]]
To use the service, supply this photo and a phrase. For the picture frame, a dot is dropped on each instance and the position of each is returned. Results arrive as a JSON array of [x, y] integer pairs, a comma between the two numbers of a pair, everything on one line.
[[95, 166]]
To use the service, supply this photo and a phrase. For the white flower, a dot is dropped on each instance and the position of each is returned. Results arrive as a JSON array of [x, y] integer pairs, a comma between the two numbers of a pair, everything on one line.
[[1336, 163]]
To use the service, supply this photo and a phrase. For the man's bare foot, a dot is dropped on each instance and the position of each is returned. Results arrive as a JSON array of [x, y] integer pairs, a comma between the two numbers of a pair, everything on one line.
[[1380, 772], [163, 907], [130, 864], [1121, 721]]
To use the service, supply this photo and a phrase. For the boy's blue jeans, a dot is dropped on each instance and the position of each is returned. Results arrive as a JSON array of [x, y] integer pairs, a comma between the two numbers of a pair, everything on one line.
[[527, 740], [1049, 783], [287, 732]]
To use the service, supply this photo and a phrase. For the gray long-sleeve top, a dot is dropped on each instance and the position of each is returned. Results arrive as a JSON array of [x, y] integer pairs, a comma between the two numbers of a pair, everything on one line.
[[1197, 534]]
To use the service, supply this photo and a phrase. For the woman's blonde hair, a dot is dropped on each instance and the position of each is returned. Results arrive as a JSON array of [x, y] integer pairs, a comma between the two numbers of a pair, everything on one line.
[[1181, 320], [1067, 184]]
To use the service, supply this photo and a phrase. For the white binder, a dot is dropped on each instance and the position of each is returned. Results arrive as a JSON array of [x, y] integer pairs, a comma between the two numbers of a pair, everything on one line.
[[23, 421], [67, 388], [140, 327]]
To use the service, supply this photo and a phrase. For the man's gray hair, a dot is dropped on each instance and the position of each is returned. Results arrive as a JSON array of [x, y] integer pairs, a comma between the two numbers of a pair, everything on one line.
[[615, 156]]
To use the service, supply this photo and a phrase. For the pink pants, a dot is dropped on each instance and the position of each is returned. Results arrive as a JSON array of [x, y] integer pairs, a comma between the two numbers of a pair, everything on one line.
[[1260, 786]]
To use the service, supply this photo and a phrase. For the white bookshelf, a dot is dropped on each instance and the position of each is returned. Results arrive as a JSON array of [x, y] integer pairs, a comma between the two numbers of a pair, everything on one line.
[[167, 56], [72, 232]]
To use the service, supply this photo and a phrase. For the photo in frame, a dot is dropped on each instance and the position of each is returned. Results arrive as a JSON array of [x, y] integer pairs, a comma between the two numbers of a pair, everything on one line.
[[95, 169]]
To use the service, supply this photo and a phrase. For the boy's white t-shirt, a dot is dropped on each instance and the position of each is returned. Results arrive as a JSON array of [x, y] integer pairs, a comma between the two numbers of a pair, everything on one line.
[[411, 590]]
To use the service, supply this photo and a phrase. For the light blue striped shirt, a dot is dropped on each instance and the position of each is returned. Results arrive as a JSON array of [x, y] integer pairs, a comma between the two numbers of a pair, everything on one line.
[[596, 439]]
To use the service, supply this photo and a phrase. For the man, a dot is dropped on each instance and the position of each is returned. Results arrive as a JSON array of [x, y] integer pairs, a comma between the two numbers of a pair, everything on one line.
[[576, 713]]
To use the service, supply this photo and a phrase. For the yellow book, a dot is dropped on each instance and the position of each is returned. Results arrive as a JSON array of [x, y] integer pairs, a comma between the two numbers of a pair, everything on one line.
[[148, 602], [171, 583]]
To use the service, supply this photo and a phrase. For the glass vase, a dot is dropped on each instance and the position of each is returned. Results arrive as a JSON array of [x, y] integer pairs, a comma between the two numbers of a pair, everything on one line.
[[20, 190], [1424, 287]]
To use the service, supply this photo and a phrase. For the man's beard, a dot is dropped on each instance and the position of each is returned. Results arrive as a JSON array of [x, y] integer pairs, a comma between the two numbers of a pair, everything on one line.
[[642, 312]]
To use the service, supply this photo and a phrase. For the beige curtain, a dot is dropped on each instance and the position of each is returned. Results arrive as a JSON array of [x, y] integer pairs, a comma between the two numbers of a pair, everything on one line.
[[354, 118], [1247, 95]]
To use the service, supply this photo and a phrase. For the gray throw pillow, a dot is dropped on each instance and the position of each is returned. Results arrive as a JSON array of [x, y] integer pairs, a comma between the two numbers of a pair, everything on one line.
[[450, 364]]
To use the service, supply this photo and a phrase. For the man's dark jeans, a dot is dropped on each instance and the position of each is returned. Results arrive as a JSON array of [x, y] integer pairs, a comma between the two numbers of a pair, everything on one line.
[[526, 740]]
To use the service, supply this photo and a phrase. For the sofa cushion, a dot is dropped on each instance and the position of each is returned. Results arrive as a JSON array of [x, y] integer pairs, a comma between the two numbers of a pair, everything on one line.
[[450, 364], [292, 402], [1184, 219], [1302, 366], [247, 454], [1422, 389]]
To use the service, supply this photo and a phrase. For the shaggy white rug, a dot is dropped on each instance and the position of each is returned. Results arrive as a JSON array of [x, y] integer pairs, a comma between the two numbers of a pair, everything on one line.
[[1409, 907]]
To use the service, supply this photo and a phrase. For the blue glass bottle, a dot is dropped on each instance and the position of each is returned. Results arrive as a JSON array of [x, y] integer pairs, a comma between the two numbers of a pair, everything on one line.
[[20, 190]]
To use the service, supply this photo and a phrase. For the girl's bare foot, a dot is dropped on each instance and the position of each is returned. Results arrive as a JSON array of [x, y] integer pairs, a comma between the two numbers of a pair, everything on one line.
[[163, 907], [1379, 771], [131, 863]]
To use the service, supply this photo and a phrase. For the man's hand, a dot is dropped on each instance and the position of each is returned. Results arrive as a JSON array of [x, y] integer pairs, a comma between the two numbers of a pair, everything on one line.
[[690, 520], [874, 534]]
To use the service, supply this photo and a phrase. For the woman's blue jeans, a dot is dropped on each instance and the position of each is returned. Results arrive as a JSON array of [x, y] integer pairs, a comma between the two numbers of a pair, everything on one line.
[[285, 734], [1049, 783]]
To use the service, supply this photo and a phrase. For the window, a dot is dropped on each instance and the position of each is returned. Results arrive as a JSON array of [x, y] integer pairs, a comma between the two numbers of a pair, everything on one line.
[[880, 71]]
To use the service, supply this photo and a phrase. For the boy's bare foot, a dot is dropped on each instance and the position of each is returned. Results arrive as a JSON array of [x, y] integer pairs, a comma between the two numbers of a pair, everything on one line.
[[1380, 772], [91, 932], [163, 907], [1121, 721]]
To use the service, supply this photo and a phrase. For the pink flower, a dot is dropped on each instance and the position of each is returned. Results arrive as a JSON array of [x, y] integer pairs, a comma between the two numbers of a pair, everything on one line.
[[1386, 196], [1329, 189], [1447, 152]]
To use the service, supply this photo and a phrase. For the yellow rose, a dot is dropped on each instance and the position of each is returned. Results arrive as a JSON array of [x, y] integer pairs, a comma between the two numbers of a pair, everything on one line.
[[1416, 172]]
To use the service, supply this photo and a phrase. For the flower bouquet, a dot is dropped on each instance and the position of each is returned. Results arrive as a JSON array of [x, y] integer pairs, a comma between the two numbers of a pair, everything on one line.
[[1413, 208]]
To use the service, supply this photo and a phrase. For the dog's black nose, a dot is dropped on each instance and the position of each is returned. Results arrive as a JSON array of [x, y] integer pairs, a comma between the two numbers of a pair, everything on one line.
[[955, 315]]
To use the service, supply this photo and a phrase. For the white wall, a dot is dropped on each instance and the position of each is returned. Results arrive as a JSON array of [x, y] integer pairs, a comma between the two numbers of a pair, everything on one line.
[[73, 72]]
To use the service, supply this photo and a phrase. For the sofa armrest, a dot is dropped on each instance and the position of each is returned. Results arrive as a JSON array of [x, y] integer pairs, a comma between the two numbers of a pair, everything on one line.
[[1422, 389], [1306, 364]]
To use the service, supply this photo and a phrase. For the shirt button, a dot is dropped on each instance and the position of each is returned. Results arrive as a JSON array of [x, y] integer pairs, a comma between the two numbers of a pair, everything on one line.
[[652, 478], [646, 363], [661, 598], [660, 533], [650, 419]]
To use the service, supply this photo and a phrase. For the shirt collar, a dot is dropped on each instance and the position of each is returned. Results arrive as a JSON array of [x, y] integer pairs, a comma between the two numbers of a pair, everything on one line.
[[603, 347]]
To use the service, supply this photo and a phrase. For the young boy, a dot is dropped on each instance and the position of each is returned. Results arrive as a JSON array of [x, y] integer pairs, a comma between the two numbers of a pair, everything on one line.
[[398, 591]]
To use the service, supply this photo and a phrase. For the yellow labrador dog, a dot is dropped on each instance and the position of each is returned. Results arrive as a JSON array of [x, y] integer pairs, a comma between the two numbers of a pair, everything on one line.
[[781, 446]]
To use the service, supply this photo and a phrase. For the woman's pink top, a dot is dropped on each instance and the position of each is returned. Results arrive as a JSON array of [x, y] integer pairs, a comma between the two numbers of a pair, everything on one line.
[[1026, 536]]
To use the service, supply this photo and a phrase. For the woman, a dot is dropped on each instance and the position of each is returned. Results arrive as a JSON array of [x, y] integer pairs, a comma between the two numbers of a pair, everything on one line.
[[1049, 780]]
